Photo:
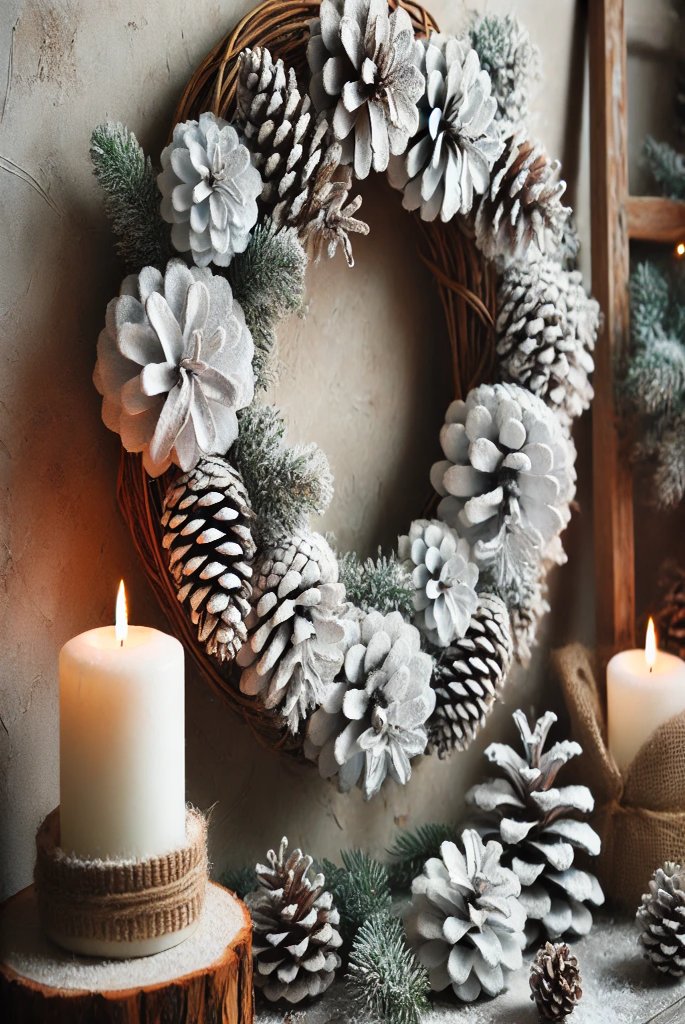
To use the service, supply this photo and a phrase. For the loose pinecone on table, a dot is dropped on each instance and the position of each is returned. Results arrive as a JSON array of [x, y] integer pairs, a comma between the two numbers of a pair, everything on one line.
[[661, 919], [555, 981]]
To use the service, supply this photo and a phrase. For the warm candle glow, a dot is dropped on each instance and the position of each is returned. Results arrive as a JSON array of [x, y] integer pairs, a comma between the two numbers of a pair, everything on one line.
[[650, 645], [680, 250], [121, 616]]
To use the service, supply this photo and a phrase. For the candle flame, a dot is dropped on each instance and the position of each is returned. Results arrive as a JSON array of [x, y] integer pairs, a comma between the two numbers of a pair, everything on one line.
[[650, 645], [121, 616]]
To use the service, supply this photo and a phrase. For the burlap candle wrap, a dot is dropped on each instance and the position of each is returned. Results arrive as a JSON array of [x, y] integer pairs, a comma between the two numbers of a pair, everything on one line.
[[640, 817]]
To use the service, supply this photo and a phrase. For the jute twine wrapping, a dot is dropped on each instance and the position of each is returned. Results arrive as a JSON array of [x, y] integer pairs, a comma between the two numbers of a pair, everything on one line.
[[120, 901], [640, 818], [464, 284]]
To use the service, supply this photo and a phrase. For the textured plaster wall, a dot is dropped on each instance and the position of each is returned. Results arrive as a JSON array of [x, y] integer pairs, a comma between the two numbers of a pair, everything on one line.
[[368, 360]]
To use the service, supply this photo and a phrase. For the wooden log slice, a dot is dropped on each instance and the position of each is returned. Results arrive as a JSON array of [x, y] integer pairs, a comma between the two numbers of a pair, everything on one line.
[[205, 980]]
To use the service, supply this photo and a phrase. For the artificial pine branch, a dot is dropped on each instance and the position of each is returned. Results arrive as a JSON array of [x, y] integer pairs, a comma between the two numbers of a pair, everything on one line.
[[382, 583], [268, 282], [667, 167], [360, 889], [285, 484], [411, 850], [385, 981], [240, 880], [132, 198]]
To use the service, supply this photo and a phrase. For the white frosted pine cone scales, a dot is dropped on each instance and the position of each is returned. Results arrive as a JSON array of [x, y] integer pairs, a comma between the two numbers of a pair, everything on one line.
[[364, 75], [296, 632], [207, 533], [661, 920], [507, 479], [444, 579], [538, 823], [465, 920], [449, 159], [372, 720], [469, 677], [295, 937], [209, 190], [174, 366]]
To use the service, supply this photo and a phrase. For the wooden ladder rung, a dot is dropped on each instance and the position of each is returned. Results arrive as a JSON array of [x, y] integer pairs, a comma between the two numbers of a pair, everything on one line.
[[654, 219]]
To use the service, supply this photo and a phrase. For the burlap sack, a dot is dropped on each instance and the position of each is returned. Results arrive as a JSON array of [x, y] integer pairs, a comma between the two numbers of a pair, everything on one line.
[[640, 819]]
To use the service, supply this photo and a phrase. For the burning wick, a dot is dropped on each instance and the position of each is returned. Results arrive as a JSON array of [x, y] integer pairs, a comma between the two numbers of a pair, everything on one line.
[[121, 616], [650, 645]]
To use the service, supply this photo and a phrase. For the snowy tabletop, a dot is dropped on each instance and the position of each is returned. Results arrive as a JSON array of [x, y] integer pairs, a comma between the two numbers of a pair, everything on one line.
[[618, 988]]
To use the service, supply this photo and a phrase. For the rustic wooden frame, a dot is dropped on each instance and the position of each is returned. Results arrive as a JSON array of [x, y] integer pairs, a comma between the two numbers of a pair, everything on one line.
[[617, 218]]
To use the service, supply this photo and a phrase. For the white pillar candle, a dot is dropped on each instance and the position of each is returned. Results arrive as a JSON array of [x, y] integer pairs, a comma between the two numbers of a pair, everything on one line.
[[644, 689], [122, 763]]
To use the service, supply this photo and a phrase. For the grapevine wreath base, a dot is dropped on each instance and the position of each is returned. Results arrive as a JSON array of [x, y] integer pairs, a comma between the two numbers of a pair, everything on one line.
[[360, 667]]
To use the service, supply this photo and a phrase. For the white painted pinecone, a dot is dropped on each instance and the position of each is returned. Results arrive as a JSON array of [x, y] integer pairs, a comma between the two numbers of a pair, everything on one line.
[[372, 720], [661, 920], [449, 159], [363, 72], [207, 532], [507, 478], [536, 820], [465, 920], [521, 207], [296, 633], [209, 190], [546, 333], [444, 579], [469, 677], [174, 366], [295, 929]]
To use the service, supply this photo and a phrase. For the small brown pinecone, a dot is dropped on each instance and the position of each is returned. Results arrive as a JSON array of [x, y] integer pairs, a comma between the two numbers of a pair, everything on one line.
[[469, 676], [207, 523], [296, 935], [295, 154], [555, 981], [522, 203], [670, 620], [661, 919]]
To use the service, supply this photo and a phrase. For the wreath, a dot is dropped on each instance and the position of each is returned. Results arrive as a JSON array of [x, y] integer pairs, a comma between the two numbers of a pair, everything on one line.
[[359, 666]]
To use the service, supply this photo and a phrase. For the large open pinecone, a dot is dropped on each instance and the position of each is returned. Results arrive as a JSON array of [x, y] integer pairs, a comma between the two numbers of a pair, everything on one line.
[[207, 523], [294, 647], [555, 981], [295, 928], [661, 919], [535, 819], [296, 155], [522, 203], [469, 677]]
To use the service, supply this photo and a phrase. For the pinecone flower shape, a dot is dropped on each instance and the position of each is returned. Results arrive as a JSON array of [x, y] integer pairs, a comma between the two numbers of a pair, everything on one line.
[[295, 937], [209, 190], [661, 919], [444, 579], [536, 822], [671, 617], [507, 478], [372, 722], [363, 65], [174, 366], [207, 523], [555, 981], [450, 158], [546, 333], [298, 160], [295, 631], [469, 677], [522, 203], [465, 921]]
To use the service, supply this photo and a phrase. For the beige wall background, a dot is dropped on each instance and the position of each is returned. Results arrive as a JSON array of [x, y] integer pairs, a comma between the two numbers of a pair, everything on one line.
[[367, 358]]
